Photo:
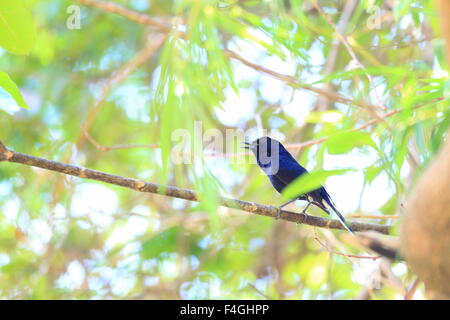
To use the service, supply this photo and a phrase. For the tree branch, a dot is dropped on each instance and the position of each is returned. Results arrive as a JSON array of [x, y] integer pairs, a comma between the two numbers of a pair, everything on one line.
[[153, 44], [165, 27], [170, 191]]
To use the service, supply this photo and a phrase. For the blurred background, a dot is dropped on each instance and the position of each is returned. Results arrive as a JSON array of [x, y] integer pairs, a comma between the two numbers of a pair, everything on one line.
[[343, 84]]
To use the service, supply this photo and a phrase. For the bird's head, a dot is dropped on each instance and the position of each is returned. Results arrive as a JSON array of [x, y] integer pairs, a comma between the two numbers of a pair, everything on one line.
[[266, 144], [266, 150]]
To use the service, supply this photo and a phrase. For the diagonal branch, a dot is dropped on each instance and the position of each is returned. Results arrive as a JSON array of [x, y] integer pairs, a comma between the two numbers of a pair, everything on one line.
[[170, 191], [293, 82], [165, 27], [322, 103], [153, 44], [343, 39], [139, 18]]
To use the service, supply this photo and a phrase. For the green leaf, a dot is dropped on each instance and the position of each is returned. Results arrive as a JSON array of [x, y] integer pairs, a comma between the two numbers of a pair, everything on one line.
[[165, 241], [345, 142], [439, 132], [390, 206], [7, 84], [309, 182], [17, 27], [371, 173], [169, 241]]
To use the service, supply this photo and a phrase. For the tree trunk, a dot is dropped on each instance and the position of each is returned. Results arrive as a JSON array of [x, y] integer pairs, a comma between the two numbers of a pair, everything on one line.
[[426, 227], [425, 232]]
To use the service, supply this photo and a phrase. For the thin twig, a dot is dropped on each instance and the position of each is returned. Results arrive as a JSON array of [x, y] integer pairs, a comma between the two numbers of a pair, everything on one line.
[[119, 76], [322, 103], [292, 81], [372, 216], [259, 291], [166, 27], [135, 16], [341, 253], [409, 295], [389, 276], [344, 41], [116, 78], [122, 146], [358, 128], [170, 191], [291, 146]]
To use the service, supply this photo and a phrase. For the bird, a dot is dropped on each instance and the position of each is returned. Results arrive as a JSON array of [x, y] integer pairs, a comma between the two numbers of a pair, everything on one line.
[[282, 169]]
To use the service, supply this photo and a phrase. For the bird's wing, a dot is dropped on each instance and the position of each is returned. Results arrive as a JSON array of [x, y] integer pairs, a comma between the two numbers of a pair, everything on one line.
[[277, 183], [289, 171]]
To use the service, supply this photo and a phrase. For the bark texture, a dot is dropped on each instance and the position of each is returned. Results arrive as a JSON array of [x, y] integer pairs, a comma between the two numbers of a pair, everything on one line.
[[426, 227]]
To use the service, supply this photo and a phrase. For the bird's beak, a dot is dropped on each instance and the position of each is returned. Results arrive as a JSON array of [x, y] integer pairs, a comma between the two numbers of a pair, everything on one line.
[[247, 145]]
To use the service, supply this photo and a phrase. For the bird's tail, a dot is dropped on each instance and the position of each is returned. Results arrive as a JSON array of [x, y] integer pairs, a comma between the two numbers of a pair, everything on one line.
[[330, 203]]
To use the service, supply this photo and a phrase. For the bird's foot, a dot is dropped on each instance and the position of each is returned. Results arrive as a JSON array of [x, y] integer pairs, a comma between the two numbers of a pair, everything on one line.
[[278, 216]]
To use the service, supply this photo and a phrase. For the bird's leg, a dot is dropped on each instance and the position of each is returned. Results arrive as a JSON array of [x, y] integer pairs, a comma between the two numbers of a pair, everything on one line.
[[307, 206], [321, 206], [281, 207]]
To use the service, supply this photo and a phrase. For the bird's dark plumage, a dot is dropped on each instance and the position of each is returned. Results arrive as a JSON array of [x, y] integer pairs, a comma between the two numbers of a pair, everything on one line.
[[282, 169]]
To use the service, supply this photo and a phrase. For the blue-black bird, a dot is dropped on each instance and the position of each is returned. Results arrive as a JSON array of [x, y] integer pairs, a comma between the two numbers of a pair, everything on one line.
[[282, 169]]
